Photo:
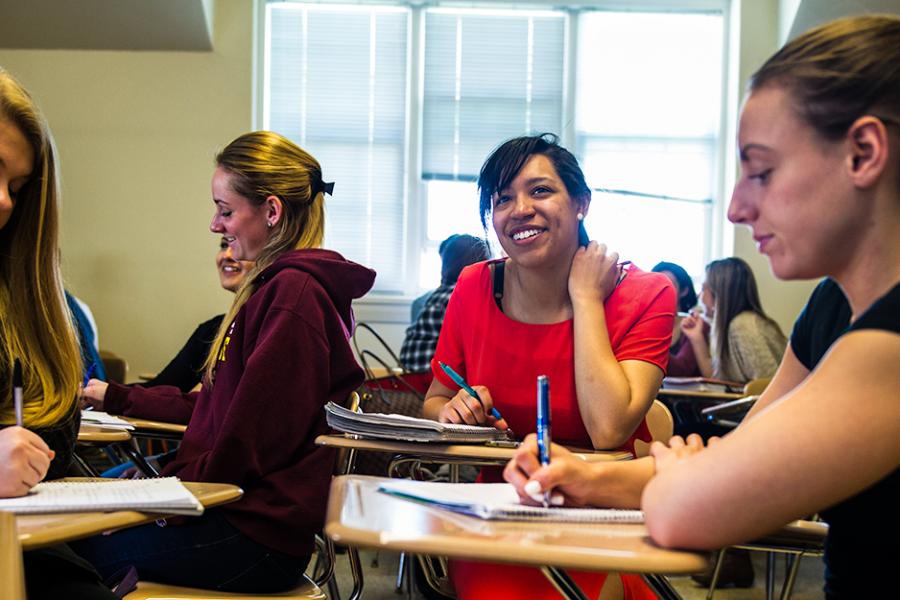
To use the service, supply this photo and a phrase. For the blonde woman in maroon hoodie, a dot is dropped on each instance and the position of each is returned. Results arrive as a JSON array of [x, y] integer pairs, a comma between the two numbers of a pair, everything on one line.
[[279, 356]]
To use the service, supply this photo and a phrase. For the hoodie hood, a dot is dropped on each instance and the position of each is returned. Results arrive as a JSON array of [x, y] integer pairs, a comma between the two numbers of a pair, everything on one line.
[[343, 280]]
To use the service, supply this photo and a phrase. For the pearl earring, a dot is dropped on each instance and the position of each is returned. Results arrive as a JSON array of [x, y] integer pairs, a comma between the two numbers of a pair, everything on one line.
[[580, 216]]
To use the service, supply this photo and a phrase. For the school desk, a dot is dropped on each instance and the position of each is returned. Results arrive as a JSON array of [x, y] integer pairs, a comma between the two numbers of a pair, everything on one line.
[[360, 515], [451, 454], [38, 531]]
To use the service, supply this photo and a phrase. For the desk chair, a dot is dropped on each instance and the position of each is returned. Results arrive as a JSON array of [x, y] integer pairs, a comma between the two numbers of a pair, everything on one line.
[[116, 366], [755, 387], [661, 425], [147, 590], [12, 576], [795, 540]]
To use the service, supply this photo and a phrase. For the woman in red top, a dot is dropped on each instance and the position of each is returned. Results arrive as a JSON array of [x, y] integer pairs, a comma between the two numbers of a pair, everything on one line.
[[557, 306]]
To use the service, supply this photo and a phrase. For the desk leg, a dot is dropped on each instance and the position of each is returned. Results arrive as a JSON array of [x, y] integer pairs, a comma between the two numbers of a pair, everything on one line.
[[356, 571], [661, 586], [563, 583], [140, 462]]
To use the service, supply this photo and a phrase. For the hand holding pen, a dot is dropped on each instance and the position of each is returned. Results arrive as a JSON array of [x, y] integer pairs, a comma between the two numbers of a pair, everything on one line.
[[471, 406], [24, 456]]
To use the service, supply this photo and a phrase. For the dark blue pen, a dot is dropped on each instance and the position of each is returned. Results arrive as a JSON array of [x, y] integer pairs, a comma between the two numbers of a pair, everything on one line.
[[543, 425], [458, 380], [88, 374]]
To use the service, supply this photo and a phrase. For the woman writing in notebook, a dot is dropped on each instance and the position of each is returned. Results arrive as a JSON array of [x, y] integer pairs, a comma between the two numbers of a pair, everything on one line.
[[281, 353], [35, 329], [558, 306], [819, 142]]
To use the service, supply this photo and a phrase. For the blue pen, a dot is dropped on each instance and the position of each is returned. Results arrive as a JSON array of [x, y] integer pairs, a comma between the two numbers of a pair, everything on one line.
[[89, 373], [458, 380], [543, 425]]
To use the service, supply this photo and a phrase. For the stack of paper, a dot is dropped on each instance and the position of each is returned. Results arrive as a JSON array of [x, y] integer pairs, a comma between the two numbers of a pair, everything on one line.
[[411, 429], [164, 495], [499, 501], [96, 417]]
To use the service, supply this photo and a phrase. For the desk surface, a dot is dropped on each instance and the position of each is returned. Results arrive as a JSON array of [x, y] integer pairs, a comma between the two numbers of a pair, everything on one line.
[[699, 395], [455, 451], [37, 531], [148, 426], [359, 515], [98, 434]]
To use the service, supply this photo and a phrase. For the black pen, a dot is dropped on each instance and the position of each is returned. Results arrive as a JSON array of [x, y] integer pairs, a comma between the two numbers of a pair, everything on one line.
[[17, 393]]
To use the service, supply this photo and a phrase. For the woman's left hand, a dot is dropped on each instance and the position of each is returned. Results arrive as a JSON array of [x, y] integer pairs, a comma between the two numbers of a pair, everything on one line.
[[677, 450], [93, 394], [593, 273]]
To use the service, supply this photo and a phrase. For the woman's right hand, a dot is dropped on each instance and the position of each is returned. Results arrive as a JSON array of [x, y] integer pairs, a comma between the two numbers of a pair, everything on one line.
[[569, 479], [93, 394], [468, 410], [24, 461], [692, 327]]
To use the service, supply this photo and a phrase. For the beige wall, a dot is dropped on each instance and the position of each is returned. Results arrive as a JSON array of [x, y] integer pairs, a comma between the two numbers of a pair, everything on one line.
[[137, 132]]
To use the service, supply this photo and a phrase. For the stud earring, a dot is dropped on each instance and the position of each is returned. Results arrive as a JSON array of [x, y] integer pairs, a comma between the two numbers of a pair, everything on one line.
[[270, 224], [580, 216]]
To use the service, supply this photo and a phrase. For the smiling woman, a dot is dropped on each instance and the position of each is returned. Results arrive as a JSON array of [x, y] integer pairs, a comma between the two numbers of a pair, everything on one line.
[[559, 306]]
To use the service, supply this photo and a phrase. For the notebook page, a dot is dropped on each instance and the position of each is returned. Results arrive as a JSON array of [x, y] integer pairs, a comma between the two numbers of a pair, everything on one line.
[[157, 495], [500, 501]]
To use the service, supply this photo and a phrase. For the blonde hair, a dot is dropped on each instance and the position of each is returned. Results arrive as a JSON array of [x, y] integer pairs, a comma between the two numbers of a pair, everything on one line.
[[264, 164], [36, 326]]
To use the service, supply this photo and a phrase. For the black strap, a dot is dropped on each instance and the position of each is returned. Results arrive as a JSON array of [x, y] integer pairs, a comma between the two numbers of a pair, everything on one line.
[[498, 284]]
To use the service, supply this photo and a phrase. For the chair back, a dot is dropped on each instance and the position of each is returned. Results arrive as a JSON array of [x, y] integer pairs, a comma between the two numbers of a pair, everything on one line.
[[755, 387], [661, 425], [116, 366], [12, 577]]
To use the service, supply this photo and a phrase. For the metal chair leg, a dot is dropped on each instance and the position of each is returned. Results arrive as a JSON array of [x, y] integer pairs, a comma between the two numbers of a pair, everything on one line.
[[770, 575], [356, 571], [717, 570], [791, 576], [563, 583], [661, 586], [401, 569]]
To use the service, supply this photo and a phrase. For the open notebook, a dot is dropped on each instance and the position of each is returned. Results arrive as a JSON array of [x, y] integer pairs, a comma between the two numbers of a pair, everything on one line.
[[98, 417], [499, 501], [701, 384], [164, 495], [411, 429]]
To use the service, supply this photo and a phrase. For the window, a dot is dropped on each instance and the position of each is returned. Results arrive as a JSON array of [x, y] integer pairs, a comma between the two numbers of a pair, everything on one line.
[[402, 104]]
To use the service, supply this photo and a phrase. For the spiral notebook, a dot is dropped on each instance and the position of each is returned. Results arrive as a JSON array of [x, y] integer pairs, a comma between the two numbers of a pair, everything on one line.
[[409, 429], [163, 495], [499, 501]]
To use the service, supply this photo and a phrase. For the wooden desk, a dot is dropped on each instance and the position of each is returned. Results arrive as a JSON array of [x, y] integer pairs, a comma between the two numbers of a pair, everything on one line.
[[98, 434], [12, 581], [38, 531], [698, 395], [443, 452], [359, 515], [156, 429]]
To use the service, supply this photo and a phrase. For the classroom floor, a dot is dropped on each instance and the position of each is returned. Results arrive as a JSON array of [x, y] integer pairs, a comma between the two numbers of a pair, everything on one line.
[[381, 577]]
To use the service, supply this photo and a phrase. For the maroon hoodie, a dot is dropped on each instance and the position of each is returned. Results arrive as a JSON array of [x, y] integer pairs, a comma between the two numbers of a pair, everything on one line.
[[285, 356]]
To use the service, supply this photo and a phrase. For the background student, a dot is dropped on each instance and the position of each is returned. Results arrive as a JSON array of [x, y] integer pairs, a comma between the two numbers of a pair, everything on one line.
[[743, 342], [35, 329], [682, 362], [820, 188], [281, 353], [457, 251], [557, 306]]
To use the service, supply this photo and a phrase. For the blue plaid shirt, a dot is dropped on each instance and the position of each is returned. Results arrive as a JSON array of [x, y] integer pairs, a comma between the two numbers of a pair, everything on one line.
[[422, 336]]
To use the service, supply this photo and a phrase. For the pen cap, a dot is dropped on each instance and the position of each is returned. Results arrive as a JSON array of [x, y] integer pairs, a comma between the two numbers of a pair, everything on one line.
[[17, 374], [543, 399]]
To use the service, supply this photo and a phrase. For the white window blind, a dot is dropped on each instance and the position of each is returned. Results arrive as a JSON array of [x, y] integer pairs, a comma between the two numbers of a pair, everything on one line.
[[336, 81], [647, 118], [489, 76]]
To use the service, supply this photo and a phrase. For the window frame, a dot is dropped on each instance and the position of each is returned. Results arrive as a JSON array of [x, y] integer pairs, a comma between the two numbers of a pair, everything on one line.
[[392, 307]]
